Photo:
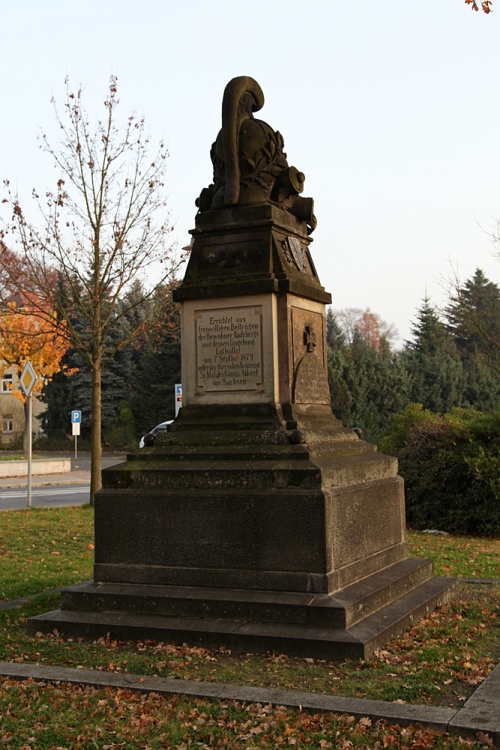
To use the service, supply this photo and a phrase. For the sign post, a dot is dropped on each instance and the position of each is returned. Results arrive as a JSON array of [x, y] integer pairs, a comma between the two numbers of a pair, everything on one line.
[[178, 398], [76, 420], [28, 380]]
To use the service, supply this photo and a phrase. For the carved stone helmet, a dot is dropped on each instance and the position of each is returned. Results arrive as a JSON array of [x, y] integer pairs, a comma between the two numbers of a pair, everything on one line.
[[249, 163]]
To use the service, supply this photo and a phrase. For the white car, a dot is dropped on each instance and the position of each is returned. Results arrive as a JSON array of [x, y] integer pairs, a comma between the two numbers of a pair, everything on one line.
[[149, 438]]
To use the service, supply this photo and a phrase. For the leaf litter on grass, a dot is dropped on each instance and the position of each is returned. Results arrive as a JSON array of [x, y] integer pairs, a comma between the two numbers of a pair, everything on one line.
[[39, 715], [439, 661], [462, 556], [44, 548]]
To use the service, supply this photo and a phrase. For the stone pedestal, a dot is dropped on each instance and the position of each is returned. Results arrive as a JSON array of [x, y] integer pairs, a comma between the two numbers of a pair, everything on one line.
[[257, 522]]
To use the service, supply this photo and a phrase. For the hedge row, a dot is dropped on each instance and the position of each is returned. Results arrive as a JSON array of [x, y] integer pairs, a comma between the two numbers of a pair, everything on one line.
[[451, 467]]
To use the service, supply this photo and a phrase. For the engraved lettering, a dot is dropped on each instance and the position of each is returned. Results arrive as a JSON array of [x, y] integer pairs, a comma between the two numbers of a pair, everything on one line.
[[229, 350]]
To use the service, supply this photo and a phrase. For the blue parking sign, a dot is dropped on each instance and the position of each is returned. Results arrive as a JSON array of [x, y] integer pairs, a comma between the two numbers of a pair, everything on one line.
[[76, 417]]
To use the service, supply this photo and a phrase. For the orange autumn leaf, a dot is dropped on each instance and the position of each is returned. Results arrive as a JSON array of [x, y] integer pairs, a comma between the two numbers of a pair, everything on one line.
[[24, 336], [485, 5]]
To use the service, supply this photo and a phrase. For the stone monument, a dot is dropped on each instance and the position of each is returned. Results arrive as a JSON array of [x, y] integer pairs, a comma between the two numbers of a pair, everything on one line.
[[257, 522]]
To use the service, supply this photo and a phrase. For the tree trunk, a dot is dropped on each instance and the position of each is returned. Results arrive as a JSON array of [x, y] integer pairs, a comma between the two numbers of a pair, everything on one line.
[[96, 447]]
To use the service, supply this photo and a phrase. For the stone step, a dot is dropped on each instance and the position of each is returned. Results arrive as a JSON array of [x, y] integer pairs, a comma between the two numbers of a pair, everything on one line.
[[347, 470], [204, 475], [215, 436], [204, 432], [356, 642], [224, 452], [339, 610], [197, 473], [182, 433], [390, 621], [319, 437], [333, 449], [230, 424], [370, 594], [234, 451]]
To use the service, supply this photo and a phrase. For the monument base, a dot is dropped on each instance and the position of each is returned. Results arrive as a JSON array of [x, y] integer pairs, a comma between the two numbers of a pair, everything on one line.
[[348, 625], [230, 534]]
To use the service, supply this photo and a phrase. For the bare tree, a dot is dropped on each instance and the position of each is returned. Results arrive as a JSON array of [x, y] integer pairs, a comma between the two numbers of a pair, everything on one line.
[[103, 227]]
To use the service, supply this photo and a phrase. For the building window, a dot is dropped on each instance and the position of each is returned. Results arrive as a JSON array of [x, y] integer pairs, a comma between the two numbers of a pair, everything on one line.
[[8, 423], [7, 383]]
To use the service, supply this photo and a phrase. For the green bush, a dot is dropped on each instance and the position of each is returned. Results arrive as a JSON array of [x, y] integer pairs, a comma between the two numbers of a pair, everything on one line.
[[451, 467], [121, 433]]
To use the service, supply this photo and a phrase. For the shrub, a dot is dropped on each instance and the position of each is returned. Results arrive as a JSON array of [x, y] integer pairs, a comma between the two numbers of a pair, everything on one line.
[[121, 433], [451, 467]]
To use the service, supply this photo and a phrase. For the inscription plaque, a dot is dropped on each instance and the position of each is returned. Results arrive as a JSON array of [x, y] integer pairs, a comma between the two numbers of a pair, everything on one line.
[[229, 349]]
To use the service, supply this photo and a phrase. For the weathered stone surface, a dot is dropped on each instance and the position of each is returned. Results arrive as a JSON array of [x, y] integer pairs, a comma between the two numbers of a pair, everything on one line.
[[340, 610], [249, 162], [480, 713], [276, 519], [245, 250], [108, 612]]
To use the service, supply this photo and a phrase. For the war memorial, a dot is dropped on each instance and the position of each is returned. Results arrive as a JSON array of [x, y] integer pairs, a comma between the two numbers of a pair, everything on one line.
[[258, 522]]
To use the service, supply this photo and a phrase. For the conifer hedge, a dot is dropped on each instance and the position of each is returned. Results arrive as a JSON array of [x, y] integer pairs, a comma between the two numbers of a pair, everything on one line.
[[451, 467]]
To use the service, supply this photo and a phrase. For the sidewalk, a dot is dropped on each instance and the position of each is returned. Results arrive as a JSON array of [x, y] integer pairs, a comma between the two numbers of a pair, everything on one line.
[[71, 477], [79, 474]]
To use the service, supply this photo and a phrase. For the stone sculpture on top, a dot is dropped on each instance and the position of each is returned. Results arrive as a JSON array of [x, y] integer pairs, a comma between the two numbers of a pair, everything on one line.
[[249, 163]]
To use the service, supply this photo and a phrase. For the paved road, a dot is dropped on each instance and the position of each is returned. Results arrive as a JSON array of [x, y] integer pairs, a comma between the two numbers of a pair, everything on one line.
[[73, 494], [71, 488]]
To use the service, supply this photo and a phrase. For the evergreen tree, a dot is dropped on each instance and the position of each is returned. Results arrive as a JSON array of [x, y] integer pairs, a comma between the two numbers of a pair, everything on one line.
[[482, 386], [473, 318], [65, 393], [473, 321], [158, 370], [367, 385], [434, 366], [56, 419], [335, 337]]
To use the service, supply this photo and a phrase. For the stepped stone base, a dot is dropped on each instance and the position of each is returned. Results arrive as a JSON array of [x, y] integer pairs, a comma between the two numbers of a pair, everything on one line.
[[350, 624]]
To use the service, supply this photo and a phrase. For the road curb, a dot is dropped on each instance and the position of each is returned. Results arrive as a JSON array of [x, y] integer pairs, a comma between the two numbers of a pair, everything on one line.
[[479, 713], [53, 483]]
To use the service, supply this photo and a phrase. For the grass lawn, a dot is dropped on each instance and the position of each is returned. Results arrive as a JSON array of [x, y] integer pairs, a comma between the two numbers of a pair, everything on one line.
[[44, 548], [439, 661]]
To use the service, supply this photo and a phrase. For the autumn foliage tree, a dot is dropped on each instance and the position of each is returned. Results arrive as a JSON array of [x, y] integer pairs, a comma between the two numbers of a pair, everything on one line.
[[25, 335], [353, 321], [485, 5], [101, 229], [369, 329]]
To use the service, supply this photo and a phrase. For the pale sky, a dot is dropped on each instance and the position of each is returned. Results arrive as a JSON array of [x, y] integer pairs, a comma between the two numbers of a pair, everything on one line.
[[390, 108]]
